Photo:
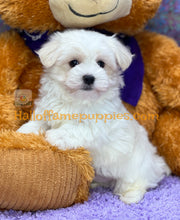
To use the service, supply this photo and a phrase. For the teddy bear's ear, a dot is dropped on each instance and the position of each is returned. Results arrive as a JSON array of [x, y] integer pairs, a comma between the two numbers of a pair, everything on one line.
[[49, 52], [122, 53]]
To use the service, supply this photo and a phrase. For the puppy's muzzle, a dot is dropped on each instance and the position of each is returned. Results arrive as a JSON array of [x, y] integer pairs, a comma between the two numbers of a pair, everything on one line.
[[88, 82]]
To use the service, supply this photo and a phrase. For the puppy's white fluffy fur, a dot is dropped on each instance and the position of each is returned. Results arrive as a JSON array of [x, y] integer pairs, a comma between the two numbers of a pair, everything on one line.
[[121, 151]]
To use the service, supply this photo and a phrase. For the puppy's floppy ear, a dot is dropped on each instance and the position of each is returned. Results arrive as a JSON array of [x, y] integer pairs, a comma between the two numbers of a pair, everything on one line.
[[123, 55], [49, 52]]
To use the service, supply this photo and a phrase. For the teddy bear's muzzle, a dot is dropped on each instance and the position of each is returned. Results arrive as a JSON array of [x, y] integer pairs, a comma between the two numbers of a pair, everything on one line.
[[83, 13]]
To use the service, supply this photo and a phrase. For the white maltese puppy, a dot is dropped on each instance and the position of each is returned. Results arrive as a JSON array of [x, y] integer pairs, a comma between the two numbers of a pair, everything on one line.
[[83, 74]]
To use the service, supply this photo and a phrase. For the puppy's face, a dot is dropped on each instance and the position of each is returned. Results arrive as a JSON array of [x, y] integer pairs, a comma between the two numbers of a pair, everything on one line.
[[87, 64]]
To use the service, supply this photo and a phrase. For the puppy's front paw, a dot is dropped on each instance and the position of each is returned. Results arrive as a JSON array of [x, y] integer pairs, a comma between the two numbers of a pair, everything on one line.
[[129, 192], [132, 196], [59, 139], [29, 128], [55, 139]]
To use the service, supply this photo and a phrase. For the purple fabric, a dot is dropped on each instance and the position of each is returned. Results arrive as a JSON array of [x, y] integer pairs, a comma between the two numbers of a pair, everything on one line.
[[34, 40], [162, 203], [133, 76]]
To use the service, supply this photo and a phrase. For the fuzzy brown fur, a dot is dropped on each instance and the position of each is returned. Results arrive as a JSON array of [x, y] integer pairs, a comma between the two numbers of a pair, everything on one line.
[[31, 154]]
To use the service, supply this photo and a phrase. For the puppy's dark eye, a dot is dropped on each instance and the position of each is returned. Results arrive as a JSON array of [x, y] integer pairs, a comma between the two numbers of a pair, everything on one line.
[[73, 63], [101, 63]]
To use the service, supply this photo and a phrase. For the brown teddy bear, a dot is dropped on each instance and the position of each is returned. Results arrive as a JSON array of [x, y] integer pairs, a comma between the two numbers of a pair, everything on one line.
[[35, 175]]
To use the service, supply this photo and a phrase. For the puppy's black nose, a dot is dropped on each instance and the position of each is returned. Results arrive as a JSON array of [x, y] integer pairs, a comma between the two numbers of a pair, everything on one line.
[[88, 79]]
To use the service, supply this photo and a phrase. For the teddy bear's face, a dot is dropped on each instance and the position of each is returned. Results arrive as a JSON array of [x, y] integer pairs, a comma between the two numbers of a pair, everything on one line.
[[125, 16], [88, 13]]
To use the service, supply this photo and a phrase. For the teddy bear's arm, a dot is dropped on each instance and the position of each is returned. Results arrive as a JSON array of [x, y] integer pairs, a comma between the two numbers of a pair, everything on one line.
[[162, 68], [14, 57]]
